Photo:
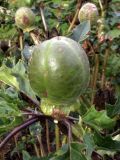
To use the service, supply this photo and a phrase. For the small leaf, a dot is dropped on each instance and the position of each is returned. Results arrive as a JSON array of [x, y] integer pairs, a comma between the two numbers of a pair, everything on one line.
[[98, 119], [80, 32]]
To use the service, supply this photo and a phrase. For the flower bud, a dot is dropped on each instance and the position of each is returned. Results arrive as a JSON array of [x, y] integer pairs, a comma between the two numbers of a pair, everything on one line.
[[25, 19], [88, 11]]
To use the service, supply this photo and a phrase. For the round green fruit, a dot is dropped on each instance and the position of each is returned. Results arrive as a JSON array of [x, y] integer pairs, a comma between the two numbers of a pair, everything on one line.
[[59, 70], [88, 11], [25, 19]]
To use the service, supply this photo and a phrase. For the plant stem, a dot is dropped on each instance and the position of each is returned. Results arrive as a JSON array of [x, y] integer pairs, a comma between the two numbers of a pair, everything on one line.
[[29, 99], [43, 20], [115, 133], [95, 75], [47, 136], [17, 129], [57, 136], [75, 16], [104, 68], [37, 151], [68, 125], [21, 40], [73, 21], [34, 37], [101, 6], [41, 145]]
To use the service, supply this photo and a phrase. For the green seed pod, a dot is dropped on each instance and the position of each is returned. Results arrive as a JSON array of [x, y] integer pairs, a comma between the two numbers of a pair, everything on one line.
[[88, 11], [59, 70], [25, 19]]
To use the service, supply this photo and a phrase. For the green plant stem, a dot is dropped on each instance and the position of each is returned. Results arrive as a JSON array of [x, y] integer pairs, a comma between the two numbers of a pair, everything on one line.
[[57, 136], [47, 136], [64, 141]]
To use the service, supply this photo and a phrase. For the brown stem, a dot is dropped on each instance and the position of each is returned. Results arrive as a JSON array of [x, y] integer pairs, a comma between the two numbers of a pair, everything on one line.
[[17, 129], [73, 21], [75, 16], [21, 41], [37, 151], [43, 19], [29, 99], [95, 75], [68, 125], [34, 37], [41, 145], [104, 68], [47, 136]]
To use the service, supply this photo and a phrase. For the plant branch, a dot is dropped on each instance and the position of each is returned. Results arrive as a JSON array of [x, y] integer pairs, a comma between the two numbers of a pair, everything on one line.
[[34, 37], [43, 20], [101, 6], [17, 129], [47, 136], [95, 75], [75, 16], [29, 99], [104, 67], [57, 136], [68, 125]]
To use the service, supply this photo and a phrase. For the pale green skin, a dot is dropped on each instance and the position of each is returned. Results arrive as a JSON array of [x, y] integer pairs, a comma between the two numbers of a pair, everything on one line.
[[88, 11], [59, 70], [25, 13]]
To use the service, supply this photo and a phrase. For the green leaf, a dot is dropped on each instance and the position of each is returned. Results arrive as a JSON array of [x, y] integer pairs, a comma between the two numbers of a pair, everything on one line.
[[7, 77], [80, 32], [10, 114], [114, 33], [17, 78], [106, 143], [98, 119], [89, 143], [113, 110], [24, 85]]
